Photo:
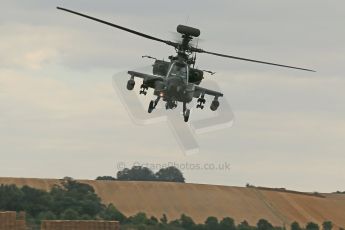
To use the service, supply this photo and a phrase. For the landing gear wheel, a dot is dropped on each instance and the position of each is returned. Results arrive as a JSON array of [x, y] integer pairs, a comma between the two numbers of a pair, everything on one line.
[[200, 106], [151, 106], [186, 115], [143, 89], [201, 101]]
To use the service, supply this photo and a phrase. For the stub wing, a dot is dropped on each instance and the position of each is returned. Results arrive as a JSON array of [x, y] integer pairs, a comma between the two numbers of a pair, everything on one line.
[[201, 91], [148, 78]]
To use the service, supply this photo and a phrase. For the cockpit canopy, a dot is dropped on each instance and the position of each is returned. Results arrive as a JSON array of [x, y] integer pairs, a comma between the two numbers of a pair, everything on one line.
[[179, 69], [162, 68]]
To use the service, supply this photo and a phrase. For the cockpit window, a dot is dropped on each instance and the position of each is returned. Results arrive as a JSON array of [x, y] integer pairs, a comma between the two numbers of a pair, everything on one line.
[[180, 70]]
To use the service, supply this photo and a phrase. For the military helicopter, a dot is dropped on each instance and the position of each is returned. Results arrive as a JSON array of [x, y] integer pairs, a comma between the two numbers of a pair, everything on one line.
[[176, 80]]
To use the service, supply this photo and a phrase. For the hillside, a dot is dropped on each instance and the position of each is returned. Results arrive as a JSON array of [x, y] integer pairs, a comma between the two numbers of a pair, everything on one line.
[[200, 201]]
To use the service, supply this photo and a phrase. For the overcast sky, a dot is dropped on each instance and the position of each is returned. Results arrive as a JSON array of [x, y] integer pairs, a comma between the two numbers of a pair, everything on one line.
[[60, 115]]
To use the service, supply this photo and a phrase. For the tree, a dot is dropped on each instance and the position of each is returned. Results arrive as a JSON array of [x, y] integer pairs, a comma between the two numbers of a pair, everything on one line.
[[69, 214], [47, 216], [227, 223], [327, 225], [152, 221], [175, 223], [199, 227], [295, 226], [136, 173], [71, 200], [105, 178], [211, 223], [186, 222], [85, 217], [139, 218], [11, 198], [164, 219], [244, 226], [264, 225], [171, 174], [75, 196], [35, 201], [312, 226], [111, 213]]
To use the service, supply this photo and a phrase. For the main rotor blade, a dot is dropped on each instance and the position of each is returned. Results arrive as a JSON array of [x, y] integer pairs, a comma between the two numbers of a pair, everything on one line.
[[119, 27], [251, 60]]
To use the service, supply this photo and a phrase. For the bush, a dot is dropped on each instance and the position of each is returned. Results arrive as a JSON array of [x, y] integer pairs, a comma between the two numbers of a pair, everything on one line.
[[152, 221], [227, 223], [327, 225], [211, 223], [105, 178], [244, 226], [164, 219], [139, 218], [111, 213], [186, 222], [312, 226], [69, 214], [295, 226], [47, 216], [264, 225]]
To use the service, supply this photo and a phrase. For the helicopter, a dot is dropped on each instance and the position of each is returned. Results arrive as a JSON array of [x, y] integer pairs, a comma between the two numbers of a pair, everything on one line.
[[177, 80]]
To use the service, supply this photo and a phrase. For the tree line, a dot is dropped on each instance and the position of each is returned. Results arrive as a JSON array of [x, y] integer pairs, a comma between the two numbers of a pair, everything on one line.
[[73, 200], [139, 173]]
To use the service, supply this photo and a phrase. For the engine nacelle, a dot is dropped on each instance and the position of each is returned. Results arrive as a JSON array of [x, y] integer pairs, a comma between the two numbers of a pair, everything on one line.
[[195, 76], [214, 105], [160, 67]]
